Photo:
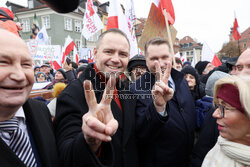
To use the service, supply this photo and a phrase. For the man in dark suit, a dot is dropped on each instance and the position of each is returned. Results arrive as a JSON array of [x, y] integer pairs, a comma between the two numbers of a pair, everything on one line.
[[92, 129], [26, 131], [173, 142]]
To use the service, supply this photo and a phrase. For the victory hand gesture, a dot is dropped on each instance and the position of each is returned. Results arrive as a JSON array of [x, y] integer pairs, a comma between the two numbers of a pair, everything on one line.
[[99, 123], [161, 92]]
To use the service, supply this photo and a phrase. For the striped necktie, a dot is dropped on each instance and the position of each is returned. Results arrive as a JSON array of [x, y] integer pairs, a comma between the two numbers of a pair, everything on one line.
[[19, 142]]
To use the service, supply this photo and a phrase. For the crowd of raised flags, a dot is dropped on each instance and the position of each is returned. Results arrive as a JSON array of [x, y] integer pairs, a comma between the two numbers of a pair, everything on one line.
[[126, 22]]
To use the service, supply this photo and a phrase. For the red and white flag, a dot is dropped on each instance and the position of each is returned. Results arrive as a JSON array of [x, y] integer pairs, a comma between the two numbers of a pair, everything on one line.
[[216, 61], [208, 55], [91, 21], [166, 4], [68, 47], [117, 19], [183, 58], [236, 33]]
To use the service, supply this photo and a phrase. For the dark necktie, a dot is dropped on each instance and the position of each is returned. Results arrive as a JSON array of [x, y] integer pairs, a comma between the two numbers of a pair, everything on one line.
[[170, 84], [19, 142]]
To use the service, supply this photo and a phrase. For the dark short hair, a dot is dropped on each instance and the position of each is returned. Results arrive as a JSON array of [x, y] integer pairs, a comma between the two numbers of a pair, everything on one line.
[[112, 30], [155, 41]]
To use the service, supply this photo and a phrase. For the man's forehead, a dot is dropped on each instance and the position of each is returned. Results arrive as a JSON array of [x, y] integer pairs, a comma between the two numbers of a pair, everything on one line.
[[244, 57]]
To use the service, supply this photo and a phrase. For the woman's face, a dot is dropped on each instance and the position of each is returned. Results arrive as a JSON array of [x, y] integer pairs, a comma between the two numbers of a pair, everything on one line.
[[235, 125], [59, 76], [191, 81], [40, 78]]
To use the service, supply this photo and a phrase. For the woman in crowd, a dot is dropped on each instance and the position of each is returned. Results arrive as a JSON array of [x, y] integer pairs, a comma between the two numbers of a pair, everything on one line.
[[40, 77], [231, 96], [196, 87], [60, 76]]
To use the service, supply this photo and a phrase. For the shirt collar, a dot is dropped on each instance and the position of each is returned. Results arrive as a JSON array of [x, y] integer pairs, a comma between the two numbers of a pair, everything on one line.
[[20, 113]]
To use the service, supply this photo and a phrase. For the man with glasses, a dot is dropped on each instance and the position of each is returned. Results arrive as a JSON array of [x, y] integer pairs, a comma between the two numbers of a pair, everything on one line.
[[243, 63]]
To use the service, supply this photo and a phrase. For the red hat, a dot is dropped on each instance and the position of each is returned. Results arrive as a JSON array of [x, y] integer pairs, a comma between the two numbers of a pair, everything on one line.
[[230, 94]]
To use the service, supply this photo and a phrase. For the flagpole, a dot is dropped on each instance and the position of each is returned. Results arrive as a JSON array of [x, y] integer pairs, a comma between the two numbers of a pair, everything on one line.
[[169, 37]]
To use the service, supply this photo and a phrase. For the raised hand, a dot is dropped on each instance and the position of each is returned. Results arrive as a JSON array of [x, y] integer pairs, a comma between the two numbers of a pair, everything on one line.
[[99, 123], [161, 92]]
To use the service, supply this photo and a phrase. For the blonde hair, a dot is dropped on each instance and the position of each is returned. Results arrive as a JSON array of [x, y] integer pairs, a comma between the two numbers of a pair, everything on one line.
[[242, 82]]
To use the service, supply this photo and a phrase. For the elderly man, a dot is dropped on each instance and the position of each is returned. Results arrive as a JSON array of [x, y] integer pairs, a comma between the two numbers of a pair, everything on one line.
[[26, 132], [243, 63], [93, 129], [173, 142]]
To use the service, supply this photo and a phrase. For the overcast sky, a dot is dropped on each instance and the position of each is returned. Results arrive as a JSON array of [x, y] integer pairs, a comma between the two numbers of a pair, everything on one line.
[[205, 20]]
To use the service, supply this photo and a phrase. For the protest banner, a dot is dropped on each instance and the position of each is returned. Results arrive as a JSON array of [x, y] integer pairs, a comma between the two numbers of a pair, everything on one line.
[[47, 53]]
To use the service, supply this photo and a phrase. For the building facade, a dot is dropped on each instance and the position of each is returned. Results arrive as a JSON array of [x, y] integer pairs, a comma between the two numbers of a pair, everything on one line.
[[189, 47]]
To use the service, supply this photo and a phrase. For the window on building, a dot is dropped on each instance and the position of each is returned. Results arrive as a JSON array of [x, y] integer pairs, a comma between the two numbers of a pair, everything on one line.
[[77, 26], [78, 44], [187, 53], [68, 24], [190, 44], [25, 25], [92, 38], [46, 21], [192, 52]]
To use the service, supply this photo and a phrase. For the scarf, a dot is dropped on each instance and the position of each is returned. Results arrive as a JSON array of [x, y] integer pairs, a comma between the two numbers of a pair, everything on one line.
[[227, 153]]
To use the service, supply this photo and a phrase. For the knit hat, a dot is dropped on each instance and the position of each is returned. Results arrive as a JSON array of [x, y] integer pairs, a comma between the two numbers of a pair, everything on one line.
[[230, 94], [45, 65], [36, 67], [63, 73], [200, 66], [216, 75], [187, 63], [83, 61], [137, 60], [191, 70]]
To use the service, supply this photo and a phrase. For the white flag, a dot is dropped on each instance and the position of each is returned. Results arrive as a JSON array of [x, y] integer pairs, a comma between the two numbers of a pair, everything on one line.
[[177, 55], [206, 54], [42, 36], [131, 18], [194, 61], [75, 55], [91, 21]]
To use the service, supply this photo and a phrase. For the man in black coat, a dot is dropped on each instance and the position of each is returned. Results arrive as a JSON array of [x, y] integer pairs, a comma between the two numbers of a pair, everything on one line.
[[32, 118], [173, 142], [92, 129]]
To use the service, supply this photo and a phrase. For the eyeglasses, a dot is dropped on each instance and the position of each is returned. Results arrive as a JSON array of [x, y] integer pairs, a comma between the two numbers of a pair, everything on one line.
[[41, 76], [222, 109]]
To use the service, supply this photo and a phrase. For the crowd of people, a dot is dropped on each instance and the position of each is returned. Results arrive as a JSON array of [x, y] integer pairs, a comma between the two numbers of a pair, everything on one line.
[[145, 111]]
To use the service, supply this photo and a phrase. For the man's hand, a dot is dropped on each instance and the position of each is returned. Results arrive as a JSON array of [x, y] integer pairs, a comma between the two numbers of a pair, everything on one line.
[[66, 66], [98, 123], [161, 92]]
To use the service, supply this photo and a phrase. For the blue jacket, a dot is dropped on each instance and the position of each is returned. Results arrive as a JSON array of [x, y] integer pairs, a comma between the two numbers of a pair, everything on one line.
[[174, 141], [202, 106]]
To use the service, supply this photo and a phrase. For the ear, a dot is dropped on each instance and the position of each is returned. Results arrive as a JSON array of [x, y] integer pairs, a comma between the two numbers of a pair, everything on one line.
[[95, 54]]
